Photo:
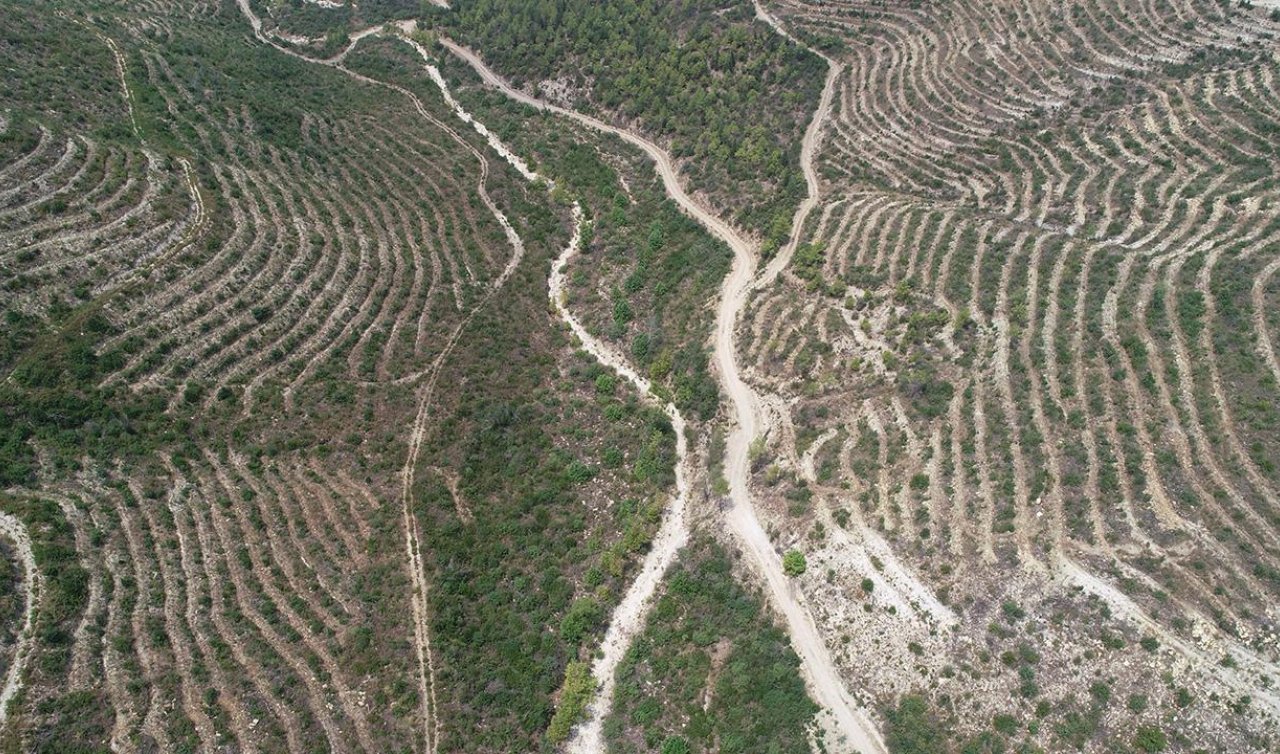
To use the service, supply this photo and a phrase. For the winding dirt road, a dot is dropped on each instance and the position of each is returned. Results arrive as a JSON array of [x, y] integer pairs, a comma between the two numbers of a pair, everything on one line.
[[823, 680], [808, 151], [629, 616], [13, 529]]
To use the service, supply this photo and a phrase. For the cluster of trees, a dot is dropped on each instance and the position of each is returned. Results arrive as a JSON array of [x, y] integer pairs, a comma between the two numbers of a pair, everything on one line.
[[667, 268], [52, 398], [708, 639], [333, 22], [726, 91], [662, 282]]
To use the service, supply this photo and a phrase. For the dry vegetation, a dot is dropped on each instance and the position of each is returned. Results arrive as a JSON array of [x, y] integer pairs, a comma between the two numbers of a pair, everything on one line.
[[1024, 350], [304, 460]]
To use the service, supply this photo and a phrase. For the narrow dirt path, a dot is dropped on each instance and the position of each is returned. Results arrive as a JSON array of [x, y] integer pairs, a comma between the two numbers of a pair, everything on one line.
[[16, 532], [417, 432], [817, 666], [808, 152], [122, 72], [629, 616]]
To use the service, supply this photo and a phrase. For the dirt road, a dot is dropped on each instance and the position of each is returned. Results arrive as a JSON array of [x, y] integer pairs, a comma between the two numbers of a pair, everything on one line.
[[808, 151], [13, 530], [629, 617], [819, 670]]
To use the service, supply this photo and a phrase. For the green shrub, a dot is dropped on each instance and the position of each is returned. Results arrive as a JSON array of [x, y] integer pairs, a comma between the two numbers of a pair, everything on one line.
[[912, 729], [1151, 739], [584, 616], [1006, 724], [793, 563], [1100, 692], [575, 694], [578, 472]]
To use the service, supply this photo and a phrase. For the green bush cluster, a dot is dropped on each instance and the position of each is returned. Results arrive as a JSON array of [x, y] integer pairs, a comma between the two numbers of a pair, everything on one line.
[[728, 92], [709, 643], [575, 695]]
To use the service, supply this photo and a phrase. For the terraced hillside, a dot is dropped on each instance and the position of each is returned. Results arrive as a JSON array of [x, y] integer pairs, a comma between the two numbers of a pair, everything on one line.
[[302, 454], [1021, 361], [818, 375]]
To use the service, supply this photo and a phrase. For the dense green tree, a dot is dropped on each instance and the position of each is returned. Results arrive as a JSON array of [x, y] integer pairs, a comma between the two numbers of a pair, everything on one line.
[[729, 93]]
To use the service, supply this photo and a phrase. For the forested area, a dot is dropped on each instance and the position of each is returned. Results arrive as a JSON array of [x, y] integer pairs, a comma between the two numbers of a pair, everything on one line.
[[659, 269], [727, 94], [711, 672], [646, 272]]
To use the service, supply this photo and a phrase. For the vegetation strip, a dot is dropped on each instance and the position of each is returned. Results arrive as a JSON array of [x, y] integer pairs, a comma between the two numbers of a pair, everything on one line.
[[825, 682]]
